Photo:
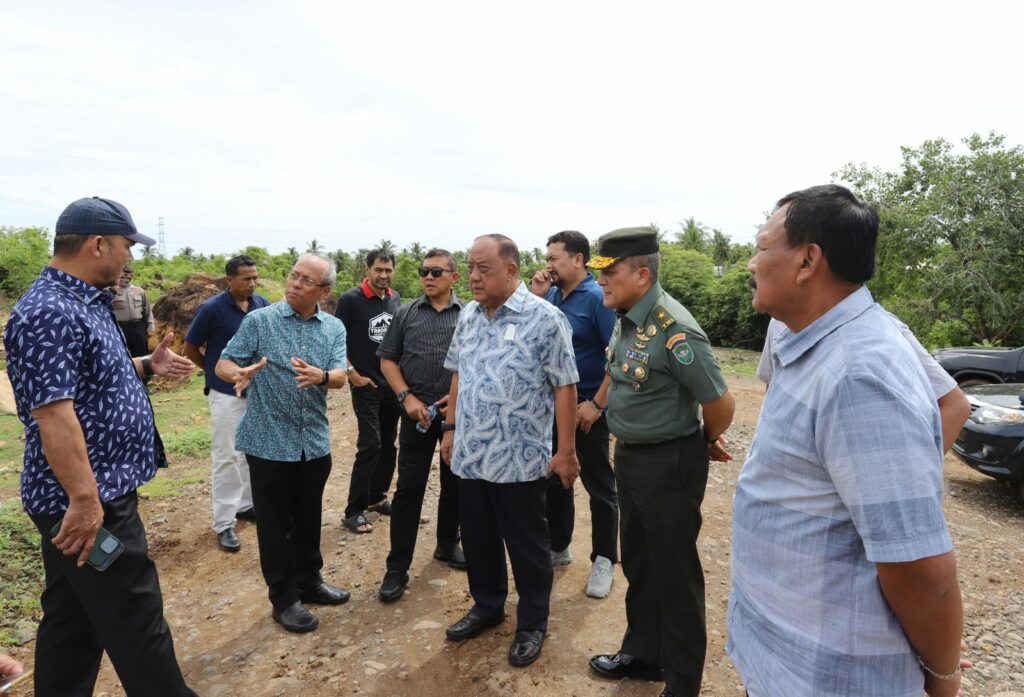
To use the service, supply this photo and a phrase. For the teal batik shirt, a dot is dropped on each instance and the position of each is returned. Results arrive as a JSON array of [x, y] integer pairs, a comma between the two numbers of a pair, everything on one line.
[[281, 421]]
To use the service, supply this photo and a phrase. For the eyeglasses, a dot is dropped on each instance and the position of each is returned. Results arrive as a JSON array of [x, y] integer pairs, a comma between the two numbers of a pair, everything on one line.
[[305, 280], [435, 271]]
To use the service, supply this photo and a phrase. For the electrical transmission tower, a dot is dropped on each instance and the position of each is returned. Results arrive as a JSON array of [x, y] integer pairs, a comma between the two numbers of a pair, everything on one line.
[[161, 242]]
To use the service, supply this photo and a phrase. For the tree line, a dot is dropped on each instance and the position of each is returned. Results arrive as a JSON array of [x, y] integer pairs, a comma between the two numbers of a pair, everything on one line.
[[950, 254]]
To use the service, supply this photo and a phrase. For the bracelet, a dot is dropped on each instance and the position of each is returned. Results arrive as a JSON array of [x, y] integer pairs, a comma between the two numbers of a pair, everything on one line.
[[147, 368], [595, 405], [938, 676], [326, 378], [445, 427]]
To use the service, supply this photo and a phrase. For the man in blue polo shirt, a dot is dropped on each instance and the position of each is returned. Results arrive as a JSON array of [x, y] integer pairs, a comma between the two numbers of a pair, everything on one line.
[[213, 326], [90, 442], [566, 284]]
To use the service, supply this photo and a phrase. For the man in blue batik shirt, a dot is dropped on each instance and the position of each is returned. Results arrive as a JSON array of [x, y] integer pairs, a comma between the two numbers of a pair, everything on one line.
[[288, 355], [90, 442], [844, 578], [514, 375], [566, 284]]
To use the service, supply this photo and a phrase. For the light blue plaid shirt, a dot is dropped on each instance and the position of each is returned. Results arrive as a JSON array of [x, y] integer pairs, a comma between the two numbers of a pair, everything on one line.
[[282, 422], [845, 471], [508, 368]]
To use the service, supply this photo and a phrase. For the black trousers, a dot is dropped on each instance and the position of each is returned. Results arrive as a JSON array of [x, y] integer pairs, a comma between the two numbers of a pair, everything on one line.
[[661, 487], [120, 611], [377, 413], [415, 453], [288, 498], [599, 482], [136, 334], [495, 516]]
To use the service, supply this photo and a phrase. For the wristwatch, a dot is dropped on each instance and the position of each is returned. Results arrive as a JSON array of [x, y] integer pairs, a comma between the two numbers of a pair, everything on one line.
[[445, 427], [402, 395]]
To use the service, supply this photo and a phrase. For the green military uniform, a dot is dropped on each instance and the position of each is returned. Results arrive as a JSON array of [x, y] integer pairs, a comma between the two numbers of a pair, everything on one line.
[[662, 368]]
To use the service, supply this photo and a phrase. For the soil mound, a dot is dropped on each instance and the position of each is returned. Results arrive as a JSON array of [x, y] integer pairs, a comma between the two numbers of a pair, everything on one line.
[[174, 311]]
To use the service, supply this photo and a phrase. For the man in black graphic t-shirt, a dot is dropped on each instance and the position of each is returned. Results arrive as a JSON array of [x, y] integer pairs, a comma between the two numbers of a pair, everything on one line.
[[366, 311]]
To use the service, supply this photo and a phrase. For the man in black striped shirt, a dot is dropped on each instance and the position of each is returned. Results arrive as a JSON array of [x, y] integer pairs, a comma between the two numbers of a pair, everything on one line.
[[412, 360]]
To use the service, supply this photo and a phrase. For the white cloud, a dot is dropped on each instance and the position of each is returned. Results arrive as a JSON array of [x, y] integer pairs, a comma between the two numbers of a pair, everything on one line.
[[351, 122]]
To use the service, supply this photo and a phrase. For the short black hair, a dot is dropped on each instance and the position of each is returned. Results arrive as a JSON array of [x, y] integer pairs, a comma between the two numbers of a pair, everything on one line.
[[68, 245], [507, 248], [438, 252], [574, 243], [845, 228], [379, 255], [235, 263]]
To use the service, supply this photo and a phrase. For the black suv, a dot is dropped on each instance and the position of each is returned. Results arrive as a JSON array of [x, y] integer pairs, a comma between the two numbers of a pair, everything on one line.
[[982, 366]]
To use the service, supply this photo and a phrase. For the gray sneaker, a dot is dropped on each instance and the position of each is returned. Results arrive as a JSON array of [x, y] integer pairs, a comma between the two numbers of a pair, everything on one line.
[[600, 583], [563, 558]]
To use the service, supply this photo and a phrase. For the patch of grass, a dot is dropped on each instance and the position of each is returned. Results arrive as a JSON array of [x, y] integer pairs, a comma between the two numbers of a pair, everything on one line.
[[21, 573], [738, 361], [12, 449], [165, 485], [194, 442]]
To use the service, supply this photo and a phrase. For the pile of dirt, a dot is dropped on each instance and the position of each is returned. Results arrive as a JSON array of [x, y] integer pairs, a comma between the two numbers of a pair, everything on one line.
[[174, 311]]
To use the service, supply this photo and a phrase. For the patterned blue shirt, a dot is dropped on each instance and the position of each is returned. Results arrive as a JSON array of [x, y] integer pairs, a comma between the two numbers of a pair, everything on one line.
[[508, 368], [63, 343], [845, 471], [281, 421]]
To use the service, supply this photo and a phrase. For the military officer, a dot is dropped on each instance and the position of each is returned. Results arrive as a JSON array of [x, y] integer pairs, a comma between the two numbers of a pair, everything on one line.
[[661, 378], [133, 314]]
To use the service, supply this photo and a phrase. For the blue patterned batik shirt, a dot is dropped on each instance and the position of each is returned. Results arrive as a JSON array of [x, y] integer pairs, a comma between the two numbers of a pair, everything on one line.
[[508, 367], [63, 343], [845, 472], [281, 421]]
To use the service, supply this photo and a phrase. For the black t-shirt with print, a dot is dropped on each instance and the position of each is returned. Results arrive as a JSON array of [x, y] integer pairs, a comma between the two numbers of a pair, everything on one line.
[[367, 318]]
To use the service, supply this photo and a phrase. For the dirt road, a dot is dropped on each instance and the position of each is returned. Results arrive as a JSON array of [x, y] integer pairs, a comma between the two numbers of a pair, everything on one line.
[[229, 646]]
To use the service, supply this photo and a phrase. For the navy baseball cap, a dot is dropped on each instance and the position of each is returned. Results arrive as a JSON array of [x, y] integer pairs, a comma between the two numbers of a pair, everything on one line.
[[99, 216]]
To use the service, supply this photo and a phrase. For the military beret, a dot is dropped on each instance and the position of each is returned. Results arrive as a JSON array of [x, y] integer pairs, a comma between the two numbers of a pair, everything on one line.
[[614, 246]]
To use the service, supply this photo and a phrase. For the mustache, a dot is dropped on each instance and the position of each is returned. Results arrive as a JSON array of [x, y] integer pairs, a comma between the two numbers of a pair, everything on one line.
[[752, 282]]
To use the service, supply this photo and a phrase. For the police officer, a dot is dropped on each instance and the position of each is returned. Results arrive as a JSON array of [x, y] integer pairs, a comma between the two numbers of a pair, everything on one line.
[[133, 314], [662, 375]]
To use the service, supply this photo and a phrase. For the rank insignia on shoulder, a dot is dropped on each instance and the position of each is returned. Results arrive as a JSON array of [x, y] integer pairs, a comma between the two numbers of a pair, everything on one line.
[[664, 318], [675, 339], [683, 352]]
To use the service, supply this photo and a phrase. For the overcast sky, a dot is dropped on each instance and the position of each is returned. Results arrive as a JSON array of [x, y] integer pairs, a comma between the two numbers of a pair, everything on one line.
[[274, 123]]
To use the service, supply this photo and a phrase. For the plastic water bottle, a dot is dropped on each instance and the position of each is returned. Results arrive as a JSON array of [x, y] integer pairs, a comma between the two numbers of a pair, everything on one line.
[[432, 412]]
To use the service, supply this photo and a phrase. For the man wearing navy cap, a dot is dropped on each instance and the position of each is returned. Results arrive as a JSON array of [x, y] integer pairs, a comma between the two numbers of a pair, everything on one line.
[[90, 442]]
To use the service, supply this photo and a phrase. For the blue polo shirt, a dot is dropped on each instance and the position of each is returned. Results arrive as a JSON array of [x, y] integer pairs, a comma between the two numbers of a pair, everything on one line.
[[215, 323], [63, 343], [592, 325]]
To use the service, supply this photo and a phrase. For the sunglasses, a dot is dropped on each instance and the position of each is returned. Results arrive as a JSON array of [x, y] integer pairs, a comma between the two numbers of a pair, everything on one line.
[[435, 271]]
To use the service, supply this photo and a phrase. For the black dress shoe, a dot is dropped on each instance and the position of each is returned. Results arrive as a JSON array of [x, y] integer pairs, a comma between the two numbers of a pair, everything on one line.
[[248, 514], [228, 540], [622, 665], [667, 693], [452, 554], [296, 618], [393, 586], [526, 648], [324, 594], [471, 625]]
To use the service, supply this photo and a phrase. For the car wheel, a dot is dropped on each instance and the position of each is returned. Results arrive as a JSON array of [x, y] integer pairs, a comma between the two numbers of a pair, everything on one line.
[[974, 382]]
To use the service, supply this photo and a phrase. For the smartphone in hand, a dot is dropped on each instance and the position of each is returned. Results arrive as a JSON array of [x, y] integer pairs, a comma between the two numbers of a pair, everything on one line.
[[104, 552]]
